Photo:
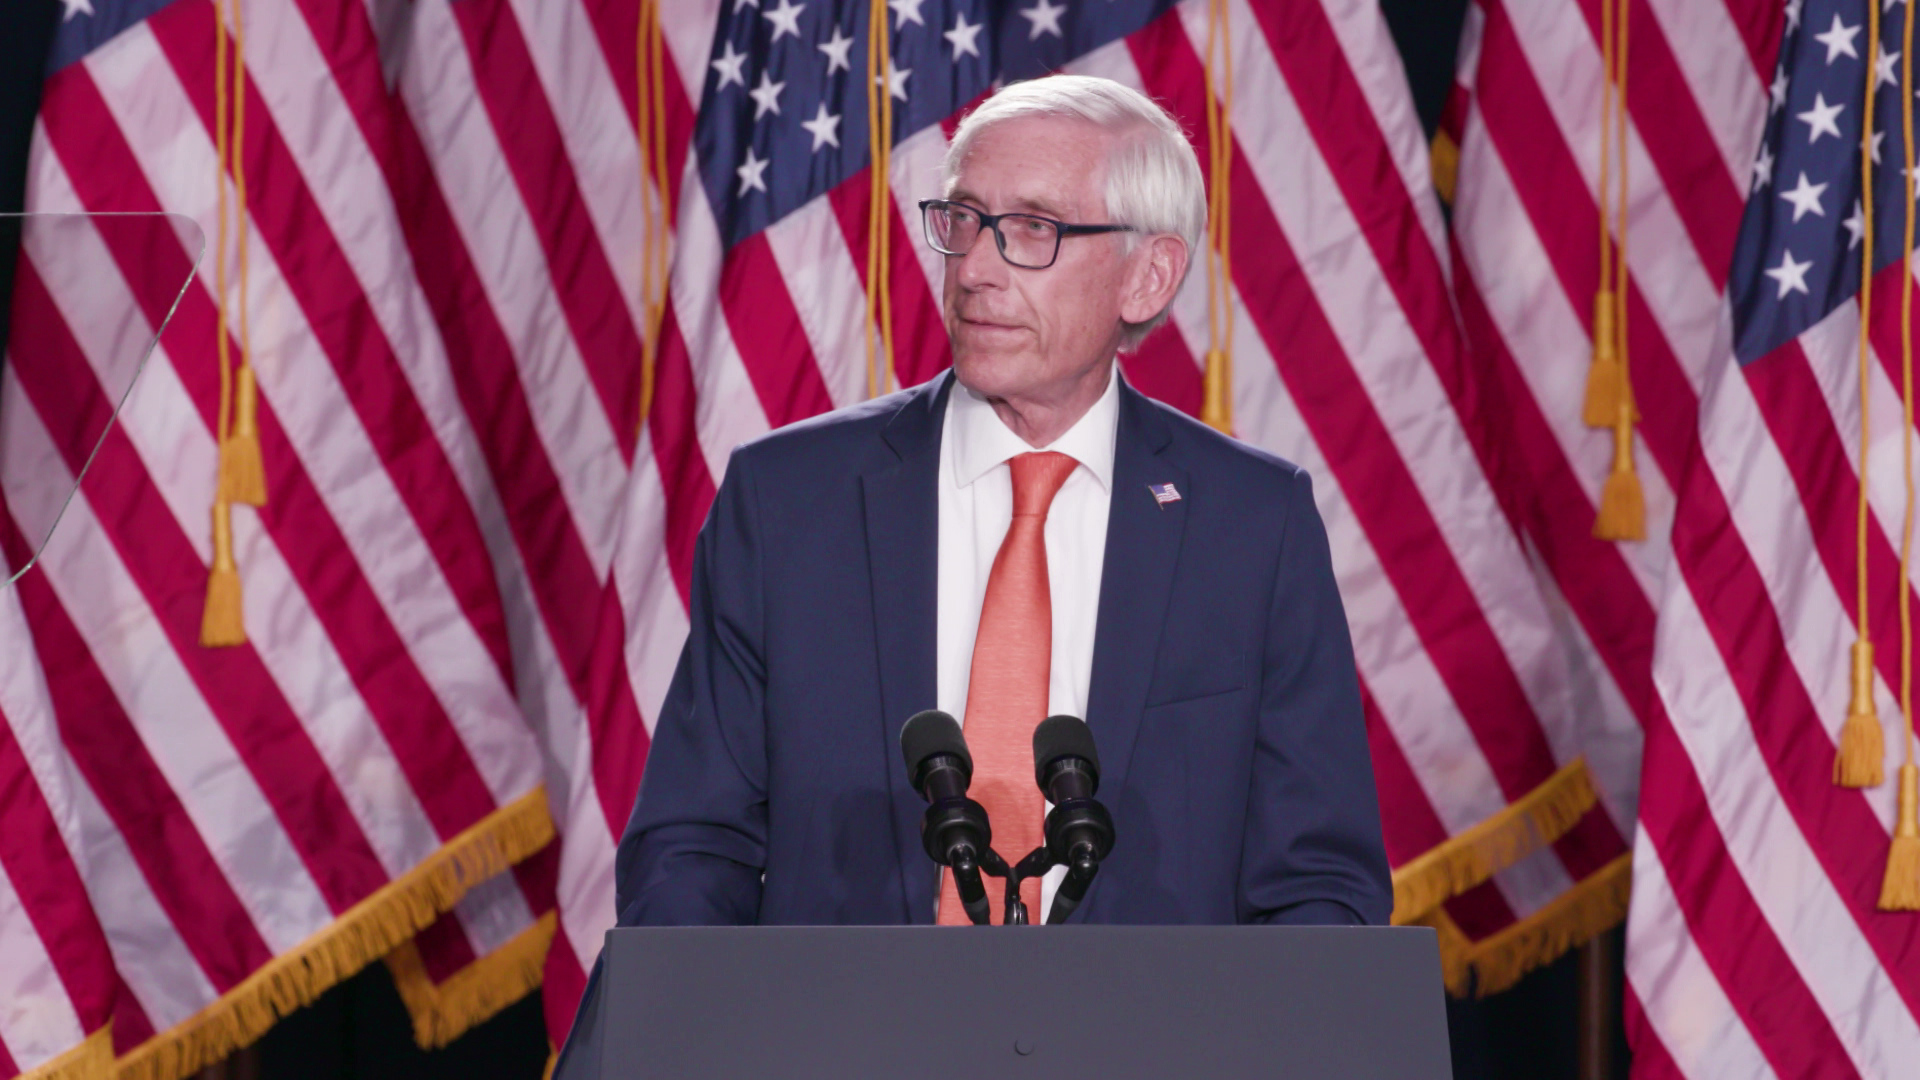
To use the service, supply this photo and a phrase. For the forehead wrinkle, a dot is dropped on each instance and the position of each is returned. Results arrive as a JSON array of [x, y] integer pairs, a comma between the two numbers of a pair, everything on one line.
[[1052, 198]]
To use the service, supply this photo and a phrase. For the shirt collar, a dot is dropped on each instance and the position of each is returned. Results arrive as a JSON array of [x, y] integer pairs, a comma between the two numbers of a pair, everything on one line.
[[981, 441]]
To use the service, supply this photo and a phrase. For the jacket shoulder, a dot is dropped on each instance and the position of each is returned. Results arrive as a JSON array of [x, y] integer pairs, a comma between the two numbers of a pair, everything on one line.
[[1223, 458]]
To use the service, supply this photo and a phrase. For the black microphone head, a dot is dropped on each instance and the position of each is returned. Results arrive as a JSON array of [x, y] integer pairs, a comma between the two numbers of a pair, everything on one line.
[[1060, 737], [928, 733]]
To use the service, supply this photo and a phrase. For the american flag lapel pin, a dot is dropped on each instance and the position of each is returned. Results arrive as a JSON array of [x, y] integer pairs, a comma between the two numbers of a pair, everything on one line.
[[1164, 494]]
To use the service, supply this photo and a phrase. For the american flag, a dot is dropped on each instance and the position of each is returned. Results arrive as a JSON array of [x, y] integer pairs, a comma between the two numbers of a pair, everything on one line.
[[1754, 943], [470, 571], [1347, 359]]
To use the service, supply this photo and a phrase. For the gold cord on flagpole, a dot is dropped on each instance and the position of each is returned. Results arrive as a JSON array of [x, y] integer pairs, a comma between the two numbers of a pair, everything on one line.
[[243, 474], [1216, 408], [1900, 890], [650, 113], [1860, 761], [220, 617], [1603, 372], [880, 378], [1623, 513]]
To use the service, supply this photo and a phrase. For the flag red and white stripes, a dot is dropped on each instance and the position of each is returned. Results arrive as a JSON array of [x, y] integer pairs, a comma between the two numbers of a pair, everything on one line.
[[1754, 946], [470, 575], [1348, 361]]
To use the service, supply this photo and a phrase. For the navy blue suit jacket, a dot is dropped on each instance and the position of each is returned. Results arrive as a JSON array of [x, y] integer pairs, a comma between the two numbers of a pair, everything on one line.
[[1224, 699]]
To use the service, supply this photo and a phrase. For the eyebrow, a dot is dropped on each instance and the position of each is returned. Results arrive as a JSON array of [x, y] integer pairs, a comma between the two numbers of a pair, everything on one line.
[[1019, 206]]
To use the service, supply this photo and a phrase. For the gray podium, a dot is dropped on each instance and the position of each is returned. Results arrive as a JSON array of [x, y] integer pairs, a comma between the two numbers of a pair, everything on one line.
[[1109, 1002]]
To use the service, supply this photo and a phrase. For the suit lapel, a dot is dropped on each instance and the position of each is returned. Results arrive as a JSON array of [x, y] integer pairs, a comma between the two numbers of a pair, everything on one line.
[[903, 536], [1136, 581]]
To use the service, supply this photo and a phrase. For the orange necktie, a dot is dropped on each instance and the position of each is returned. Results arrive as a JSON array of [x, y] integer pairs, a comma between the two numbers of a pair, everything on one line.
[[1007, 684]]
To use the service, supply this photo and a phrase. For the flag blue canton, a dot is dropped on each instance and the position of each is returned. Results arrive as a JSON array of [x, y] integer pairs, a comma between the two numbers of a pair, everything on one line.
[[1797, 257], [85, 25], [783, 118]]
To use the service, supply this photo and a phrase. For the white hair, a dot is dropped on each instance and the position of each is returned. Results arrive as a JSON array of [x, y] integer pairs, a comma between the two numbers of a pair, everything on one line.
[[1153, 180]]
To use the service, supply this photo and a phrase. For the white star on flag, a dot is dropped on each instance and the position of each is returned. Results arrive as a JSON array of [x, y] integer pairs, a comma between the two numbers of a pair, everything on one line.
[[1045, 18], [751, 179], [964, 38], [824, 127], [896, 81], [731, 67], [1883, 64], [1777, 93], [1856, 225], [1763, 168], [905, 11], [1839, 39], [1793, 14], [1805, 198], [738, 4], [1820, 118], [766, 96], [1791, 275], [785, 19], [836, 49], [76, 7], [1878, 138]]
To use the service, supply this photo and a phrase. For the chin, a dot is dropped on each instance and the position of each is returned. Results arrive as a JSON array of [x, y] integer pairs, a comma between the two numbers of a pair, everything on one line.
[[991, 374]]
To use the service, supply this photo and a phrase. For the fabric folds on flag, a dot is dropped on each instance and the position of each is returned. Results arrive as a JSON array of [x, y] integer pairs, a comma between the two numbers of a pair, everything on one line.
[[1758, 944], [1348, 361]]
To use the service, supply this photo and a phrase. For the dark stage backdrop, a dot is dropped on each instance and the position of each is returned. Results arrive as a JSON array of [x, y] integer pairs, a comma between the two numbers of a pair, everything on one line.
[[360, 1031]]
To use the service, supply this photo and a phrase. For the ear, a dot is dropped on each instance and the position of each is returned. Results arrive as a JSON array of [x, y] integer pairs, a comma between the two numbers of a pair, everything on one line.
[[1158, 267]]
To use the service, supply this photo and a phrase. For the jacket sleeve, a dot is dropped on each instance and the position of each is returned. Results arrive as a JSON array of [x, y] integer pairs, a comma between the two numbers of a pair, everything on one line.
[[695, 846], [1313, 851]]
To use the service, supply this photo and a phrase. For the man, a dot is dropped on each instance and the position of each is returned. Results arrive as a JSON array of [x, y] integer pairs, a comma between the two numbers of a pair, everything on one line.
[[1024, 536]]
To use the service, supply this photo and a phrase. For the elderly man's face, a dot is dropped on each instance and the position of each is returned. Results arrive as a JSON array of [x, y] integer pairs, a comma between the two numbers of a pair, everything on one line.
[[1021, 333]]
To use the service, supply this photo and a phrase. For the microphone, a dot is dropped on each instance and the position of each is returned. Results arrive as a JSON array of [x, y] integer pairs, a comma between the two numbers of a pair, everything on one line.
[[1079, 831], [955, 830]]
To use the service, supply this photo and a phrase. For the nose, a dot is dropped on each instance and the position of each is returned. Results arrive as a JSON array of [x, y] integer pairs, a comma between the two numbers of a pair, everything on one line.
[[981, 267]]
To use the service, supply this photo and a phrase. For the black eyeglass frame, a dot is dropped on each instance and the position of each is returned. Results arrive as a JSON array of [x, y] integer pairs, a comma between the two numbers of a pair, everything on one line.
[[1061, 230]]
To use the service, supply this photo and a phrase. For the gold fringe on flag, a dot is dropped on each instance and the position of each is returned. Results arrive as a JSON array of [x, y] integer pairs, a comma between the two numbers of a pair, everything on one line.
[[1590, 908], [1535, 820], [880, 375], [92, 1059], [442, 1012], [1216, 405], [1900, 890], [362, 934], [651, 121], [1861, 759]]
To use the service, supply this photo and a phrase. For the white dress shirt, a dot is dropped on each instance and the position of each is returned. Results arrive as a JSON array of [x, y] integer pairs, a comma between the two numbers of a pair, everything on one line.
[[976, 507]]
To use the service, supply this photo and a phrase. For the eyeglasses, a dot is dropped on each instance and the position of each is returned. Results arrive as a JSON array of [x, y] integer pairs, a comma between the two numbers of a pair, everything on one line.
[[1028, 241]]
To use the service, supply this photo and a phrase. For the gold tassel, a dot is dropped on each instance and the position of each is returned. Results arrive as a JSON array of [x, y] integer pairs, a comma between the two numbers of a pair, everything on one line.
[[1861, 760], [1443, 158], [1623, 509], [1901, 889], [243, 475], [1606, 376], [1216, 408], [220, 622]]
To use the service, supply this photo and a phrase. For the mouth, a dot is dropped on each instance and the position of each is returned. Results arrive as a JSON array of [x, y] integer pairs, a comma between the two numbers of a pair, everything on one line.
[[988, 325]]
